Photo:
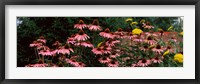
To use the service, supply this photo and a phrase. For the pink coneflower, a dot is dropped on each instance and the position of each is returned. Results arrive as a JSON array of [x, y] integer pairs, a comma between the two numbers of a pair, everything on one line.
[[65, 49], [78, 44], [43, 48], [67, 60], [81, 36], [117, 50], [40, 63], [138, 39], [114, 35], [112, 42], [158, 49], [150, 34], [36, 65], [40, 47], [35, 44], [156, 60], [115, 41], [73, 62], [126, 58], [173, 39], [144, 48], [71, 40], [29, 65], [106, 34], [56, 51], [144, 62], [119, 33], [106, 49], [114, 55], [170, 49], [42, 39], [150, 40], [113, 64], [131, 36], [45, 52], [122, 50], [75, 57], [85, 44], [97, 51], [80, 25], [80, 64], [104, 60], [121, 36], [147, 25], [57, 44], [54, 65], [53, 52], [95, 26], [134, 65]]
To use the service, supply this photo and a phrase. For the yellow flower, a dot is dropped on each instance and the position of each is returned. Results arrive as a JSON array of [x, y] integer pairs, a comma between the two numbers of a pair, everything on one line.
[[181, 33], [129, 20], [165, 53], [178, 57], [142, 21], [170, 28], [134, 23], [99, 44], [137, 31]]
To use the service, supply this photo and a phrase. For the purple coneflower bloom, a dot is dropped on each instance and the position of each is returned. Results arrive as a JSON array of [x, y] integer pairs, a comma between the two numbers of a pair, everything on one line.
[[81, 36], [97, 51], [114, 55], [158, 49], [65, 49], [106, 34], [104, 60], [95, 26], [42, 39], [150, 40], [144, 48], [156, 60], [80, 25], [35, 44], [144, 62], [138, 39], [113, 64]]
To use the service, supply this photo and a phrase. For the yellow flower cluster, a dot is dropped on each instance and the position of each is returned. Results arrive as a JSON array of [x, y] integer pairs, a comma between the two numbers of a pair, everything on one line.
[[137, 31], [129, 20], [178, 57]]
